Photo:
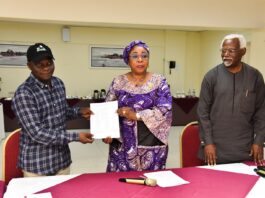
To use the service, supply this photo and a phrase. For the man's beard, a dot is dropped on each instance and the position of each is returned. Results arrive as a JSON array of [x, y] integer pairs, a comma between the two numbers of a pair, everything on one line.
[[227, 63]]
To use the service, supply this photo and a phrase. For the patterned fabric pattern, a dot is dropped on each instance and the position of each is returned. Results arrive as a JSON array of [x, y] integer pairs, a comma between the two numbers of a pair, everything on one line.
[[42, 113], [153, 102]]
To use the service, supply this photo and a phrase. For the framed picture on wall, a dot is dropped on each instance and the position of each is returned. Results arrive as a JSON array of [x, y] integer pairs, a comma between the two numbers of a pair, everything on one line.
[[13, 55], [106, 57]]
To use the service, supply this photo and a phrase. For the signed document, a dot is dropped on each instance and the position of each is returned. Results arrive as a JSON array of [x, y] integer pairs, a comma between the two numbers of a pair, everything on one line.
[[105, 120]]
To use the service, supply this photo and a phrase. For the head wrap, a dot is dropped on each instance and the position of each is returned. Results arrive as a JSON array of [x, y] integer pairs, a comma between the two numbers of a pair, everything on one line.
[[129, 47]]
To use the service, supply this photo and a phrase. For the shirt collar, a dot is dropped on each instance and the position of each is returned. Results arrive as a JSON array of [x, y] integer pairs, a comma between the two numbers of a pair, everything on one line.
[[39, 83]]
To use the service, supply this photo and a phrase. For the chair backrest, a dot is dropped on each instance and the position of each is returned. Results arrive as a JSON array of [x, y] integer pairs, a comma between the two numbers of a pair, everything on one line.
[[189, 145], [10, 157], [2, 188]]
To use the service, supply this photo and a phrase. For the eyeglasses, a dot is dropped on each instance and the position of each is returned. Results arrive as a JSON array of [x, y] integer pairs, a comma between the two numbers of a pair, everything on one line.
[[136, 57], [230, 51]]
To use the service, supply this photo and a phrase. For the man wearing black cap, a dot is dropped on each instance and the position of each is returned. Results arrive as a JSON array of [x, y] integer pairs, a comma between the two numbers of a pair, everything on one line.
[[42, 110]]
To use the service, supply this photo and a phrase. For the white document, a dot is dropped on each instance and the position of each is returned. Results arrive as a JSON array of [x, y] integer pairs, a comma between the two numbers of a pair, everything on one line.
[[166, 178], [257, 190], [105, 120], [235, 168]]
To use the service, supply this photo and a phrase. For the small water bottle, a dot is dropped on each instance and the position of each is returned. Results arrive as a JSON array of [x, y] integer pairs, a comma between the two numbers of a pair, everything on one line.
[[103, 93], [96, 94], [183, 95], [177, 94], [189, 93], [193, 93]]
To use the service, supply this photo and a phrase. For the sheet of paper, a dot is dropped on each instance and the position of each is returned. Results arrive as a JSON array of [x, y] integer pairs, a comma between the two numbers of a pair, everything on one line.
[[166, 178], [23, 186], [41, 195], [105, 120], [258, 190], [236, 168]]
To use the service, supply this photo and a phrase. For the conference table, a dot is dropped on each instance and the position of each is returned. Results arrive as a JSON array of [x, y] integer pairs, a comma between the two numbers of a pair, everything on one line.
[[220, 181], [183, 112]]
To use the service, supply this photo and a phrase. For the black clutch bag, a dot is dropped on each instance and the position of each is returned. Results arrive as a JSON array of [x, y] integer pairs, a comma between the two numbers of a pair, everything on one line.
[[145, 136], [116, 143]]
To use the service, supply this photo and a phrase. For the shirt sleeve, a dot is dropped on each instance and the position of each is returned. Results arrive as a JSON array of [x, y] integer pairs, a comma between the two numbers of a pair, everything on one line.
[[203, 111], [72, 112], [27, 113], [259, 115], [111, 96], [159, 118]]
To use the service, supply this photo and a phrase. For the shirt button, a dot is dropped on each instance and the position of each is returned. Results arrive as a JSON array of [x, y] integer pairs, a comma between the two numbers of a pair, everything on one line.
[[54, 104]]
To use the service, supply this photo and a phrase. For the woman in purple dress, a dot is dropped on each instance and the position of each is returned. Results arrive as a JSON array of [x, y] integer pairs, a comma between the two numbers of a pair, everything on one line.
[[144, 102]]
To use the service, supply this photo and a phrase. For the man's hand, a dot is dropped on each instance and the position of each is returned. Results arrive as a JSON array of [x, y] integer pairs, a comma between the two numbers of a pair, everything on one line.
[[257, 153], [85, 137], [210, 154], [85, 112]]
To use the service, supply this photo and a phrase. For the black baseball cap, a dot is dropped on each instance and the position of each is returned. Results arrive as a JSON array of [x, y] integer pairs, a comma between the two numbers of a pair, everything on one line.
[[38, 52]]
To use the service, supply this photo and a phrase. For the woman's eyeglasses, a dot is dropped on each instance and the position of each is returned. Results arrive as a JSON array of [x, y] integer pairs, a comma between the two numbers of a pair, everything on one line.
[[136, 57]]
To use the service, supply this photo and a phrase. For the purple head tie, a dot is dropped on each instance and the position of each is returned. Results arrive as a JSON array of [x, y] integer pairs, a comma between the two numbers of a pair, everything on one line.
[[129, 47]]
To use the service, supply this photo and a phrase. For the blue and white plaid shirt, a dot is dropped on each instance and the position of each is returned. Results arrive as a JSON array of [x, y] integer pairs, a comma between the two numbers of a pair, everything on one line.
[[42, 113]]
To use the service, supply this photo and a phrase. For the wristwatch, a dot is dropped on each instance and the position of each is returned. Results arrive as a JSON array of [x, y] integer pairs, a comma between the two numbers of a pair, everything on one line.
[[138, 117]]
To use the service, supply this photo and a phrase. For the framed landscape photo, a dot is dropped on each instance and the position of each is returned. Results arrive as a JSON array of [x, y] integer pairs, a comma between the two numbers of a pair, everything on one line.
[[107, 57], [13, 55]]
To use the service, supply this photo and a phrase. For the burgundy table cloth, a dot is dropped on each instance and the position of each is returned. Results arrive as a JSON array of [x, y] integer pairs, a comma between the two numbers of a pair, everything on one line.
[[203, 183]]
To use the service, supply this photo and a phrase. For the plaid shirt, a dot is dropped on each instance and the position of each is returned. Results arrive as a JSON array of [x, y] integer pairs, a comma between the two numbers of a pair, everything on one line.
[[42, 113]]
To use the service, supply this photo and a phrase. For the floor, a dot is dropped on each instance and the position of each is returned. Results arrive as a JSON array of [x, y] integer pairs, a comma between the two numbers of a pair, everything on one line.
[[89, 158]]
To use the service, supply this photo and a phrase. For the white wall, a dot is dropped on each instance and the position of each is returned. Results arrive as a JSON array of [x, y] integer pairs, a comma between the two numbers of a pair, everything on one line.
[[194, 53], [72, 58], [257, 50], [175, 51], [193, 62], [147, 13], [104, 22]]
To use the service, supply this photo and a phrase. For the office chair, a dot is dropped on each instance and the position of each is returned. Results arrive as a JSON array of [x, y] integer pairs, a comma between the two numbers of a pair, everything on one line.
[[10, 156], [189, 145]]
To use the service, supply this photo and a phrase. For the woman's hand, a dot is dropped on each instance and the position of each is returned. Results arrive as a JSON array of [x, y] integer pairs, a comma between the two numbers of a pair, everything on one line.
[[128, 113], [107, 140]]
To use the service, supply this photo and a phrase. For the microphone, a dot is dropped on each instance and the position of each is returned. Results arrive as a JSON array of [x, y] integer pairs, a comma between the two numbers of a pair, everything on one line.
[[143, 181]]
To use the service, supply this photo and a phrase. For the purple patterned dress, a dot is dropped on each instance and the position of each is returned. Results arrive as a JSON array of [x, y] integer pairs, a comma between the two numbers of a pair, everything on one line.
[[153, 103]]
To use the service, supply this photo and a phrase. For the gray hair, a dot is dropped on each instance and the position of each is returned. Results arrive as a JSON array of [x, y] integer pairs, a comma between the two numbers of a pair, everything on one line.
[[240, 37]]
